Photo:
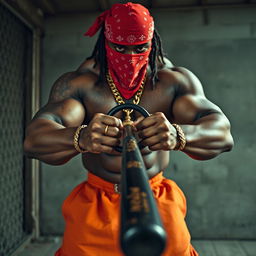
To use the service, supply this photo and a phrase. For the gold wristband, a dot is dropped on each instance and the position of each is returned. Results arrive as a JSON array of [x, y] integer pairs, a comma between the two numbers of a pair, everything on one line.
[[76, 139], [181, 139]]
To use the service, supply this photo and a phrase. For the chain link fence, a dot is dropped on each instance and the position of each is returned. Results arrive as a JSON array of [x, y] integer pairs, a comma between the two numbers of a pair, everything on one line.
[[15, 44]]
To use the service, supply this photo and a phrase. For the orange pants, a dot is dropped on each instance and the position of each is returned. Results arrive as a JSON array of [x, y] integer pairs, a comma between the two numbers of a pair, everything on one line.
[[91, 213]]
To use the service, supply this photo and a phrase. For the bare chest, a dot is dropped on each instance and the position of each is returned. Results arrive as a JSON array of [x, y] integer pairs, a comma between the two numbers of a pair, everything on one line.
[[101, 100]]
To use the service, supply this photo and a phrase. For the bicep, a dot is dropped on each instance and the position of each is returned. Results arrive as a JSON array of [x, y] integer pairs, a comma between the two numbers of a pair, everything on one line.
[[63, 107], [68, 113], [188, 109]]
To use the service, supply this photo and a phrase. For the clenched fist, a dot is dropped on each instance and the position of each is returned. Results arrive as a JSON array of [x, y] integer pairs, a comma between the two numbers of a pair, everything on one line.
[[102, 134], [157, 132]]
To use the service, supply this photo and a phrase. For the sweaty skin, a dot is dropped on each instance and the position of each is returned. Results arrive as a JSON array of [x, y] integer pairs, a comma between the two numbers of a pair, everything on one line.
[[77, 99]]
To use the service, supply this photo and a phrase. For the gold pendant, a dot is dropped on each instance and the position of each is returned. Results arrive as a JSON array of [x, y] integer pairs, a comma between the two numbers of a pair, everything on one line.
[[128, 119]]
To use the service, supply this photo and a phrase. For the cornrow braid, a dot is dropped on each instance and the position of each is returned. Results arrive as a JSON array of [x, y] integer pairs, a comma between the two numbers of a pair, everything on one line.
[[156, 55]]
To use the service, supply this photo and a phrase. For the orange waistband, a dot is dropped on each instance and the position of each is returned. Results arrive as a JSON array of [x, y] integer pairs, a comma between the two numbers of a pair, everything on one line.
[[115, 188]]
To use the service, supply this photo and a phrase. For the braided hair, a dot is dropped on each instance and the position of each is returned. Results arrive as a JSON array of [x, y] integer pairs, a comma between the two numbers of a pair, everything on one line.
[[156, 54]]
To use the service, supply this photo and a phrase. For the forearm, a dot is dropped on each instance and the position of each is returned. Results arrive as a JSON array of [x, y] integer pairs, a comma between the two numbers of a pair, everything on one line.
[[208, 137], [49, 142]]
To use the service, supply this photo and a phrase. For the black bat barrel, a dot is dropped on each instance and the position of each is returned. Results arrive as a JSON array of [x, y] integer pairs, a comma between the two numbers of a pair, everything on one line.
[[141, 230]]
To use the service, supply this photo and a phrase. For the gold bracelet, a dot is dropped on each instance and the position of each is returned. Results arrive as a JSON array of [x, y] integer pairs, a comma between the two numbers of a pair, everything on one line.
[[180, 138], [76, 139]]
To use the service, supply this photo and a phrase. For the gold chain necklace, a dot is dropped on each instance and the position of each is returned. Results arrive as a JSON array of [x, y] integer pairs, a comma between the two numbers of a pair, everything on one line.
[[119, 99]]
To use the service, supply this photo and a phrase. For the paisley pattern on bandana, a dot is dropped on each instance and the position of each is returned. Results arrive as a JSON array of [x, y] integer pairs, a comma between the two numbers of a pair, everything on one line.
[[127, 35], [108, 31], [128, 23], [127, 70]]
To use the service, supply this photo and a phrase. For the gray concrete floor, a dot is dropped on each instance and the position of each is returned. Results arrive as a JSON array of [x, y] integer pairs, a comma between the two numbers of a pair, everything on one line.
[[204, 248], [225, 248]]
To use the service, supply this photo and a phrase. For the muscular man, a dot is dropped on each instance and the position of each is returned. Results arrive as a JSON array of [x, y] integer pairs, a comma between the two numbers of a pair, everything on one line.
[[127, 65]]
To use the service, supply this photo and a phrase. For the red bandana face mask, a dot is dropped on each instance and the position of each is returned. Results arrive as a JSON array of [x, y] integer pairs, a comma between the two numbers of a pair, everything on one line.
[[126, 24], [127, 70]]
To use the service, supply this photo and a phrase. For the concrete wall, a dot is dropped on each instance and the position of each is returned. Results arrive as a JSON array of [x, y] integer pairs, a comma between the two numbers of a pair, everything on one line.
[[222, 53]]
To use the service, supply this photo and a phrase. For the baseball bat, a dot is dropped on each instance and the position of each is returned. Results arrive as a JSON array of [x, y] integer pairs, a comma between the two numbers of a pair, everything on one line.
[[141, 229]]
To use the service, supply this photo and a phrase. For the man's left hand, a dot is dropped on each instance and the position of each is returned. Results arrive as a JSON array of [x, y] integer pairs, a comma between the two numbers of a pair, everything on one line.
[[156, 132]]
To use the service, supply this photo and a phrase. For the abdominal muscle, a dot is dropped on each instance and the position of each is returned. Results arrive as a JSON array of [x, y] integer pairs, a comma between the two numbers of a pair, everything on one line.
[[108, 167]]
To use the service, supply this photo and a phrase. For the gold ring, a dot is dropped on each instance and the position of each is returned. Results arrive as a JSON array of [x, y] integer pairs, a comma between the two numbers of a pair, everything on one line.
[[106, 130]]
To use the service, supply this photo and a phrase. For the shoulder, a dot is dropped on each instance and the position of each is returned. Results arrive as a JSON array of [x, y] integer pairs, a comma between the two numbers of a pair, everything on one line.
[[184, 80], [72, 84]]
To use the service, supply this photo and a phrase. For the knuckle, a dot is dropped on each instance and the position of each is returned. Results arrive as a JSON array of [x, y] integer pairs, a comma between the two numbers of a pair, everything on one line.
[[164, 126], [160, 115], [95, 127], [116, 121], [165, 136], [115, 130], [98, 115], [166, 144], [95, 146], [113, 121], [95, 139]]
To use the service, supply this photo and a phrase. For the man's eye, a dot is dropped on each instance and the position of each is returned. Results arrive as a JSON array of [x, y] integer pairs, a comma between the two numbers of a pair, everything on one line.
[[141, 49], [119, 49]]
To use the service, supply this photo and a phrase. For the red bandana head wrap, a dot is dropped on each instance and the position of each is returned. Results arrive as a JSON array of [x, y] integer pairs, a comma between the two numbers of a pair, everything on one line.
[[126, 24]]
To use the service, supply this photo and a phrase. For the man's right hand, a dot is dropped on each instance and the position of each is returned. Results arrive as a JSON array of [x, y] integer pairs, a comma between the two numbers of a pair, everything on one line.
[[102, 134]]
